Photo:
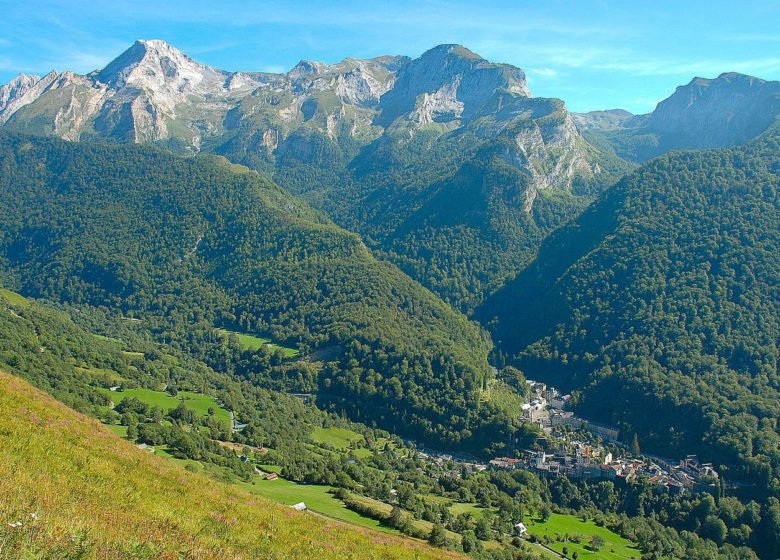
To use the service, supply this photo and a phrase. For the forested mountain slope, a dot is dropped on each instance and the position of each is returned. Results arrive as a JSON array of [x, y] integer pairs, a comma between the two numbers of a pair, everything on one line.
[[71, 489], [462, 211], [192, 244], [660, 304]]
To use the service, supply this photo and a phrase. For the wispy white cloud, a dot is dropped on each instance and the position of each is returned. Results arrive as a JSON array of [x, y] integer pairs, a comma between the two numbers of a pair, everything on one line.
[[274, 69], [545, 72]]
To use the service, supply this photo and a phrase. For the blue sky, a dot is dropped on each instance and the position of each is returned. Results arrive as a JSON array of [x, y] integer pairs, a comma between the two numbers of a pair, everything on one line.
[[592, 54]]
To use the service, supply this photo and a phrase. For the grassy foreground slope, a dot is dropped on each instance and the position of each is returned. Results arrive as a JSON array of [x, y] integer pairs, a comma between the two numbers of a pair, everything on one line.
[[80, 492]]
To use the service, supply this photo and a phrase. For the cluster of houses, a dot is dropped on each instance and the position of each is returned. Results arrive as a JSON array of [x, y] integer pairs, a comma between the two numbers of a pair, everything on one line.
[[546, 407], [582, 461]]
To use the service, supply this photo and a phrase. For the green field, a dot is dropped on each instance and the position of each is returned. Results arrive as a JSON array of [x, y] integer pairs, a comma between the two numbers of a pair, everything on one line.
[[101, 374], [340, 438], [362, 453], [251, 342], [196, 402], [107, 338], [316, 498], [13, 298], [456, 508], [121, 431], [460, 507], [615, 547]]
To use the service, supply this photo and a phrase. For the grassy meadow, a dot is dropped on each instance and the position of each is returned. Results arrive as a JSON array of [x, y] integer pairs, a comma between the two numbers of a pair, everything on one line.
[[252, 342], [13, 298], [339, 438], [565, 529], [196, 402]]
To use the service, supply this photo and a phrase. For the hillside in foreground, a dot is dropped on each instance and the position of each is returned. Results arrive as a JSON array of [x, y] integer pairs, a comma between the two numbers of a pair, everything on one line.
[[71, 489]]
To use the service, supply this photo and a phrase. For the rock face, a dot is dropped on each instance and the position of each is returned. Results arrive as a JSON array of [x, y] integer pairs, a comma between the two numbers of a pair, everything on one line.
[[448, 83], [726, 111], [21, 91], [155, 93], [706, 113]]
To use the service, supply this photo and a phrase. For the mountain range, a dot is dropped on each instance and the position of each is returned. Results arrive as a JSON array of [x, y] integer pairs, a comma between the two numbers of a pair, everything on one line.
[[444, 164]]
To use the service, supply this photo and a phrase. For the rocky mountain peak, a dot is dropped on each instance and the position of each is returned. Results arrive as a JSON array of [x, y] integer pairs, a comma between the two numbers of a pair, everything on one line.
[[21, 91], [22, 80], [154, 92], [723, 111], [448, 83], [305, 69], [16, 87], [354, 81], [704, 113], [154, 64], [451, 49]]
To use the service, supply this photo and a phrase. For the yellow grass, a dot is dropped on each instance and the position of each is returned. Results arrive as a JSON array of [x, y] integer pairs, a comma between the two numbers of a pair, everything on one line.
[[80, 491]]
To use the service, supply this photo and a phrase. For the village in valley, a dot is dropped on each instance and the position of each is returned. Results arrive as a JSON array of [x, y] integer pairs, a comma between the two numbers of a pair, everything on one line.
[[599, 455]]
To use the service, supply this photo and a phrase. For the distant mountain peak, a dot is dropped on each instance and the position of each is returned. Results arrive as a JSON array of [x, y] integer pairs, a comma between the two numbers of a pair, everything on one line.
[[21, 91], [22, 78], [154, 63], [447, 83], [705, 113], [452, 49], [156, 44], [745, 103], [305, 68]]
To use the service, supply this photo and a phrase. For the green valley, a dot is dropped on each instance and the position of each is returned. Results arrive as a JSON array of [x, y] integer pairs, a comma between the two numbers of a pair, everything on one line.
[[390, 306]]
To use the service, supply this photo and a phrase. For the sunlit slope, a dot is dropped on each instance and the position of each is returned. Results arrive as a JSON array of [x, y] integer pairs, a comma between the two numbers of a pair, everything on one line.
[[71, 489]]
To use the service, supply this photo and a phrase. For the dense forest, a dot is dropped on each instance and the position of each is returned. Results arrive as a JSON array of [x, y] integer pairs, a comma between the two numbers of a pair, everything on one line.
[[193, 244], [659, 307]]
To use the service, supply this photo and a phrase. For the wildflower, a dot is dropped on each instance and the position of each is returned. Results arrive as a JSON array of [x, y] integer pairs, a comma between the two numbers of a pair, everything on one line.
[[15, 524]]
